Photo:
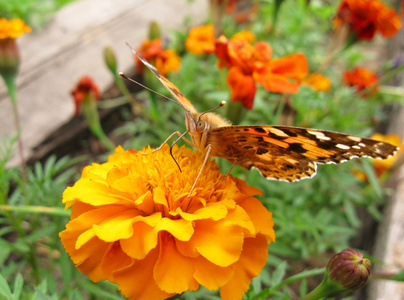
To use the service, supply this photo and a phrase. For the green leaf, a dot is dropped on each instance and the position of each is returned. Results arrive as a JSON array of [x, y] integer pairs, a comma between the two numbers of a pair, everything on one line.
[[279, 273], [18, 284], [351, 214], [4, 288]]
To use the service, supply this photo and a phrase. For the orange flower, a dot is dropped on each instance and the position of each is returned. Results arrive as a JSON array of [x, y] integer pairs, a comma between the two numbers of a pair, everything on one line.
[[362, 79], [201, 40], [165, 60], [367, 17], [253, 64], [246, 35], [133, 224], [12, 29], [317, 82], [85, 89]]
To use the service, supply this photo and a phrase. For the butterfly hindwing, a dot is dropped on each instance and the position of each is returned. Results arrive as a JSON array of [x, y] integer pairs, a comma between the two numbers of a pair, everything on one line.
[[291, 153]]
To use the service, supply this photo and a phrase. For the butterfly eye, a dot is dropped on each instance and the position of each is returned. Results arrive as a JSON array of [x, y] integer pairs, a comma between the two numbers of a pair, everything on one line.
[[201, 125]]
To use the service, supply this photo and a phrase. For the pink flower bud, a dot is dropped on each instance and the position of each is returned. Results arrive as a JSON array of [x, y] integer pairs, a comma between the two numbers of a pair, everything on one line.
[[349, 269]]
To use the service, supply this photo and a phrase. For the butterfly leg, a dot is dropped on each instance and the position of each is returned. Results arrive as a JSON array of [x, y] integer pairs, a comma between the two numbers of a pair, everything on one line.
[[169, 138], [231, 168], [207, 156]]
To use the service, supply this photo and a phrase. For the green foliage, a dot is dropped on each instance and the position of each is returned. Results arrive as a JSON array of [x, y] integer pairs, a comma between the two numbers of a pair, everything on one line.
[[312, 217], [36, 13]]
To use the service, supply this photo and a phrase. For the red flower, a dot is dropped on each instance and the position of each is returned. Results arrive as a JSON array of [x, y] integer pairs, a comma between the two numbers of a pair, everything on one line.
[[366, 17], [250, 64], [362, 79], [84, 88], [164, 60]]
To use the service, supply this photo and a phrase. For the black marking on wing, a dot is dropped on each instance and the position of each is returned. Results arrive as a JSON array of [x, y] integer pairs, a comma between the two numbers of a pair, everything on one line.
[[294, 152]]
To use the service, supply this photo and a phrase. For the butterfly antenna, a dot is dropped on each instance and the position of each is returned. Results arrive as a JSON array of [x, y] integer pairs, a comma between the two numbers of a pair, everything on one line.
[[223, 103], [147, 88]]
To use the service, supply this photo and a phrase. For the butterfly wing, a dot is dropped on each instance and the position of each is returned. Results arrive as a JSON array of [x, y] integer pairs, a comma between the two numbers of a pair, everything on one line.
[[180, 97], [291, 153]]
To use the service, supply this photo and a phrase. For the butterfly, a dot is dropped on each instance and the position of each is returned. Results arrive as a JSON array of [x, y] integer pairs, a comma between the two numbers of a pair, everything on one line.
[[278, 152]]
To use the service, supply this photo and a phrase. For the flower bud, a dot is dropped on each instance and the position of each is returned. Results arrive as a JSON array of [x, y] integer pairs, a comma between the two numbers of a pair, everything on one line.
[[110, 59], [154, 31], [9, 58], [348, 269], [85, 91]]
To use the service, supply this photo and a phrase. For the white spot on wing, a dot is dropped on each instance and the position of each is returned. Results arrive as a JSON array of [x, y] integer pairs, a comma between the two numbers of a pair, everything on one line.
[[319, 135], [342, 146], [354, 138]]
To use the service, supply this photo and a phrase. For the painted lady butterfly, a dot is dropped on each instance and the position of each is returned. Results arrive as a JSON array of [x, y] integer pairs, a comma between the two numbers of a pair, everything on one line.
[[278, 152]]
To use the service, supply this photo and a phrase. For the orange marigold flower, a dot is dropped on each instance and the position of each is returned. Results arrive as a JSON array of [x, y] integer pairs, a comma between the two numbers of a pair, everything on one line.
[[244, 35], [164, 60], [253, 64], [133, 224], [85, 89], [317, 82], [367, 17], [361, 78], [12, 29], [201, 40]]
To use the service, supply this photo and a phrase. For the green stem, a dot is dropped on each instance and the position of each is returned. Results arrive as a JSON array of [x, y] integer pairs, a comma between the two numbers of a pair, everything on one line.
[[298, 277], [317, 293], [100, 134], [124, 90], [90, 112], [12, 92], [55, 211]]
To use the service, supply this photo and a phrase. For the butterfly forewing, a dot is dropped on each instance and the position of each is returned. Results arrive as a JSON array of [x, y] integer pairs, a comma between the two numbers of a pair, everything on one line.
[[291, 153], [180, 97]]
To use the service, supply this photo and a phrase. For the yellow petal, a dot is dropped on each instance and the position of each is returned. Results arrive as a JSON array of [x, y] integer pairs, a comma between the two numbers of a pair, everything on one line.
[[137, 281], [219, 242], [89, 256], [214, 212], [240, 218], [121, 226], [261, 218], [159, 196], [174, 272], [114, 259], [91, 192], [250, 264], [116, 174], [180, 229], [140, 244], [210, 275]]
